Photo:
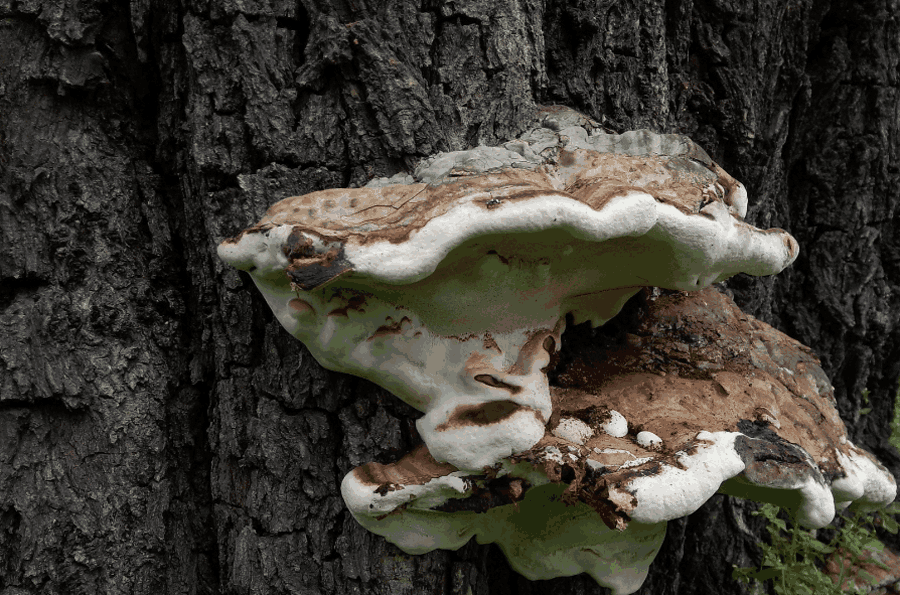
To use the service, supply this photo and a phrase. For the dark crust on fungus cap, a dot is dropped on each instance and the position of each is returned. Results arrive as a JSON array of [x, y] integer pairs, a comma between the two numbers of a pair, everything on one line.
[[771, 463], [309, 275], [310, 269]]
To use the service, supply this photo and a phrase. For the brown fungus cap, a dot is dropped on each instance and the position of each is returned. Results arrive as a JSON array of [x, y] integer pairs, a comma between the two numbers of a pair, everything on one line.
[[697, 364], [596, 188]]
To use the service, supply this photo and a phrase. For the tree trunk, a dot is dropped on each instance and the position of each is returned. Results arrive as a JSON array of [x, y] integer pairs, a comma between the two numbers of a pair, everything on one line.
[[160, 432]]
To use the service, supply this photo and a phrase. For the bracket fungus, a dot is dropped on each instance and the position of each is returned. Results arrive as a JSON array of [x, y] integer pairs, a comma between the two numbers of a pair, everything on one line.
[[451, 288]]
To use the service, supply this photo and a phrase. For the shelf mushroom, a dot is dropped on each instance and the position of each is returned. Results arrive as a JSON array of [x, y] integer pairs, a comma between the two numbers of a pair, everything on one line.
[[732, 404], [451, 290]]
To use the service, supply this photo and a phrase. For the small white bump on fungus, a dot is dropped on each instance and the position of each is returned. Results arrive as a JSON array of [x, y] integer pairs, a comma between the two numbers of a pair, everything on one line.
[[616, 426], [649, 440], [573, 430]]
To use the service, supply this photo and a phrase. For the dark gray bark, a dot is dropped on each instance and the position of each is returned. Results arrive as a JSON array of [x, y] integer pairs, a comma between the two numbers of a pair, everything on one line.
[[159, 431]]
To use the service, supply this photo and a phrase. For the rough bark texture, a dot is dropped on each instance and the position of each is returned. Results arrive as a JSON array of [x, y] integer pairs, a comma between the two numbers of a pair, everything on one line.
[[160, 433]]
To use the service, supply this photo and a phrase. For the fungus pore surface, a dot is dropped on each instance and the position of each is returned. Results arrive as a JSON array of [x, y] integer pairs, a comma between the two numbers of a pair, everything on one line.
[[450, 287]]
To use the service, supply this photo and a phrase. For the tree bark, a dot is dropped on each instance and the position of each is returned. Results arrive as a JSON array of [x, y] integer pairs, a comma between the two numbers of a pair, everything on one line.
[[160, 432]]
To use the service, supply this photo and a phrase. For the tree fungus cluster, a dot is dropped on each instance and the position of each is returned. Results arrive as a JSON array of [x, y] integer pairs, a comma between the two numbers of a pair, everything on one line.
[[451, 288]]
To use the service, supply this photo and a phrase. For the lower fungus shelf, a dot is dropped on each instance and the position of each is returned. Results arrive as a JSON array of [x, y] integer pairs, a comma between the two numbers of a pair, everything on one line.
[[545, 537], [542, 535], [591, 498]]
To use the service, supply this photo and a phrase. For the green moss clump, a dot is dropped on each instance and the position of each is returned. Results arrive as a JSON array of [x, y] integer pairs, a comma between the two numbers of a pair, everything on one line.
[[793, 559]]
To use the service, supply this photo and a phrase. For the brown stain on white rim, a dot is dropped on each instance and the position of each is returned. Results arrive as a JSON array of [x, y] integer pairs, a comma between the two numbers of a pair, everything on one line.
[[416, 468], [484, 414]]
